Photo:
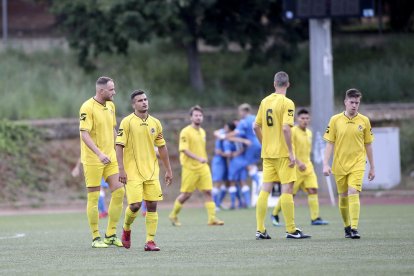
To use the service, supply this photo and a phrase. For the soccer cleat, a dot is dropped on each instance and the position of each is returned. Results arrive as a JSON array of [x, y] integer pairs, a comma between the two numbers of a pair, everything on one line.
[[126, 238], [275, 220], [354, 234], [216, 222], [174, 221], [103, 214], [113, 240], [298, 234], [347, 232], [262, 236], [151, 246], [319, 221], [98, 243]]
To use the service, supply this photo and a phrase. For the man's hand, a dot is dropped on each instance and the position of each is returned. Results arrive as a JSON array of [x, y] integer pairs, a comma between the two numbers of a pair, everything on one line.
[[371, 174], [104, 159], [291, 160], [76, 171], [301, 166], [327, 170], [168, 178], [202, 160], [123, 176]]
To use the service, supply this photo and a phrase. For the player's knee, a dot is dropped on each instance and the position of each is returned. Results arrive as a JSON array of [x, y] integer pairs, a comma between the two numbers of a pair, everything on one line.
[[312, 191], [135, 206], [151, 206]]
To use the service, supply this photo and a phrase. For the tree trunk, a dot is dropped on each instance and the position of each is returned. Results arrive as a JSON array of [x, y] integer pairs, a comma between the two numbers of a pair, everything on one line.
[[194, 68]]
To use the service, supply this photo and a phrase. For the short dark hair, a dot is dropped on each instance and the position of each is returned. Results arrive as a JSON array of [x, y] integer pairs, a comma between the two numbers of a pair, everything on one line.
[[245, 107], [231, 125], [353, 93], [196, 108], [103, 80], [303, 111], [136, 93]]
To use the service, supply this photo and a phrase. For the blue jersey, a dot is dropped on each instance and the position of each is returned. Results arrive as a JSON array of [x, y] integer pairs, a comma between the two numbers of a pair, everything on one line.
[[245, 130], [219, 163], [237, 165]]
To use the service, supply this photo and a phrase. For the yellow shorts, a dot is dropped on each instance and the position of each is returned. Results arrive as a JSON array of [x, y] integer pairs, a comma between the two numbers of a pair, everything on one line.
[[137, 190], [200, 179], [277, 169], [303, 182], [94, 173], [353, 179]]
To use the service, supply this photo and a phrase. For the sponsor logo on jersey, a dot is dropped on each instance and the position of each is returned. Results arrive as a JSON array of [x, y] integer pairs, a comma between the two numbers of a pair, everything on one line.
[[120, 132], [290, 112], [82, 117]]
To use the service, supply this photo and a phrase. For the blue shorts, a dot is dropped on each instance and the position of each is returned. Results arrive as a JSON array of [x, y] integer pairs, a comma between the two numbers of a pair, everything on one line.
[[104, 184], [237, 169], [219, 169], [252, 153]]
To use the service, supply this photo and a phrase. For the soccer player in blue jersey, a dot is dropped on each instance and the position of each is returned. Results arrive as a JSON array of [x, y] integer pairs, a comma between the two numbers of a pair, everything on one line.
[[219, 169]]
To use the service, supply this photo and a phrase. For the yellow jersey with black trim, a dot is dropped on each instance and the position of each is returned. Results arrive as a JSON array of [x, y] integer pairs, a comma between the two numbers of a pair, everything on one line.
[[302, 144], [275, 111], [100, 121], [194, 140], [139, 137], [349, 136]]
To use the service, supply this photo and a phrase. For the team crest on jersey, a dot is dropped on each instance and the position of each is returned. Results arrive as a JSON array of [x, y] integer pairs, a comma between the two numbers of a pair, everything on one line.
[[327, 130], [82, 117], [152, 130], [360, 128], [120, 132], [290, 112]]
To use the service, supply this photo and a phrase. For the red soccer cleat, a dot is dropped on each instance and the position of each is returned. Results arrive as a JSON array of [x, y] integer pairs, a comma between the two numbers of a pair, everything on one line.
[[103, 214], [151, 246], [126, 238]]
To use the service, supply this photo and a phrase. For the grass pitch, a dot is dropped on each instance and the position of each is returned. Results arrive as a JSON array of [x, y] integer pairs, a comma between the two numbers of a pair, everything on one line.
[[59, 244]]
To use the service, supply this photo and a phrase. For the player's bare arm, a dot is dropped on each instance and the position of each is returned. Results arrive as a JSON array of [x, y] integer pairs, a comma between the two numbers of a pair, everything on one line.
[[195, 157], [258, 131], [123, 178], [86, 138], [370, 155], [287, 134], [326, 156], [163, 151], [240, 140]]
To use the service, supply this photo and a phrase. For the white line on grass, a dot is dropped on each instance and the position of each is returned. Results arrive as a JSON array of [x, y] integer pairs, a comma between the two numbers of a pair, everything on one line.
[[20, 235]]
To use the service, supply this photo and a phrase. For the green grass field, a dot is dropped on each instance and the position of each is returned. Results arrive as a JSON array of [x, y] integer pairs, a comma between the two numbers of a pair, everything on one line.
[[60, 244]]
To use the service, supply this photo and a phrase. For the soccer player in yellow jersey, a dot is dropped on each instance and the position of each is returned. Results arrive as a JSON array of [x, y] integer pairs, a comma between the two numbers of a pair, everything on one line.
[[97, 133], [349, 135], [273, 129], [306, 177], [195, 170], [138, 134]]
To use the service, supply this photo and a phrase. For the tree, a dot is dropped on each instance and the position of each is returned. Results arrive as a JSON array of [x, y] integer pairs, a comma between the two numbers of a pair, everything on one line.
[[108, 26]]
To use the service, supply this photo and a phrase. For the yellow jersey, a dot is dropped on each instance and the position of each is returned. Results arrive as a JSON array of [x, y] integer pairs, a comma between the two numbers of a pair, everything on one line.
[[275, 111], [139, 137], [302, 144], [100, 121], [349, 137], [194, 140]]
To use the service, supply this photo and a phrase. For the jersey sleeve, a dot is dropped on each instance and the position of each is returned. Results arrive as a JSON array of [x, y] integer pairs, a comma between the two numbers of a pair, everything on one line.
[[368, 135], [184, 143], [159, 140], [85, 118], [258, 120], [330, 131], [123, 132], [289, 113], [241, 128], [227, 146]]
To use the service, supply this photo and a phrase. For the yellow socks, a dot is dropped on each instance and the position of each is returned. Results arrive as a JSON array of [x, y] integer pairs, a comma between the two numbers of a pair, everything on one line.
[[93, 214], [176, 209], [354, 208], [344, 209], [288, 210], [115, 210], [261, 207], [129, 218], [277, 208], [211, 210], [151, 224], [313, 203]]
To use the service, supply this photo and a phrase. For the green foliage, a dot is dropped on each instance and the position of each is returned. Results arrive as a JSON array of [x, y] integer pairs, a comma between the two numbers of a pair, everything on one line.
[[407, 145], [17, 139]]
